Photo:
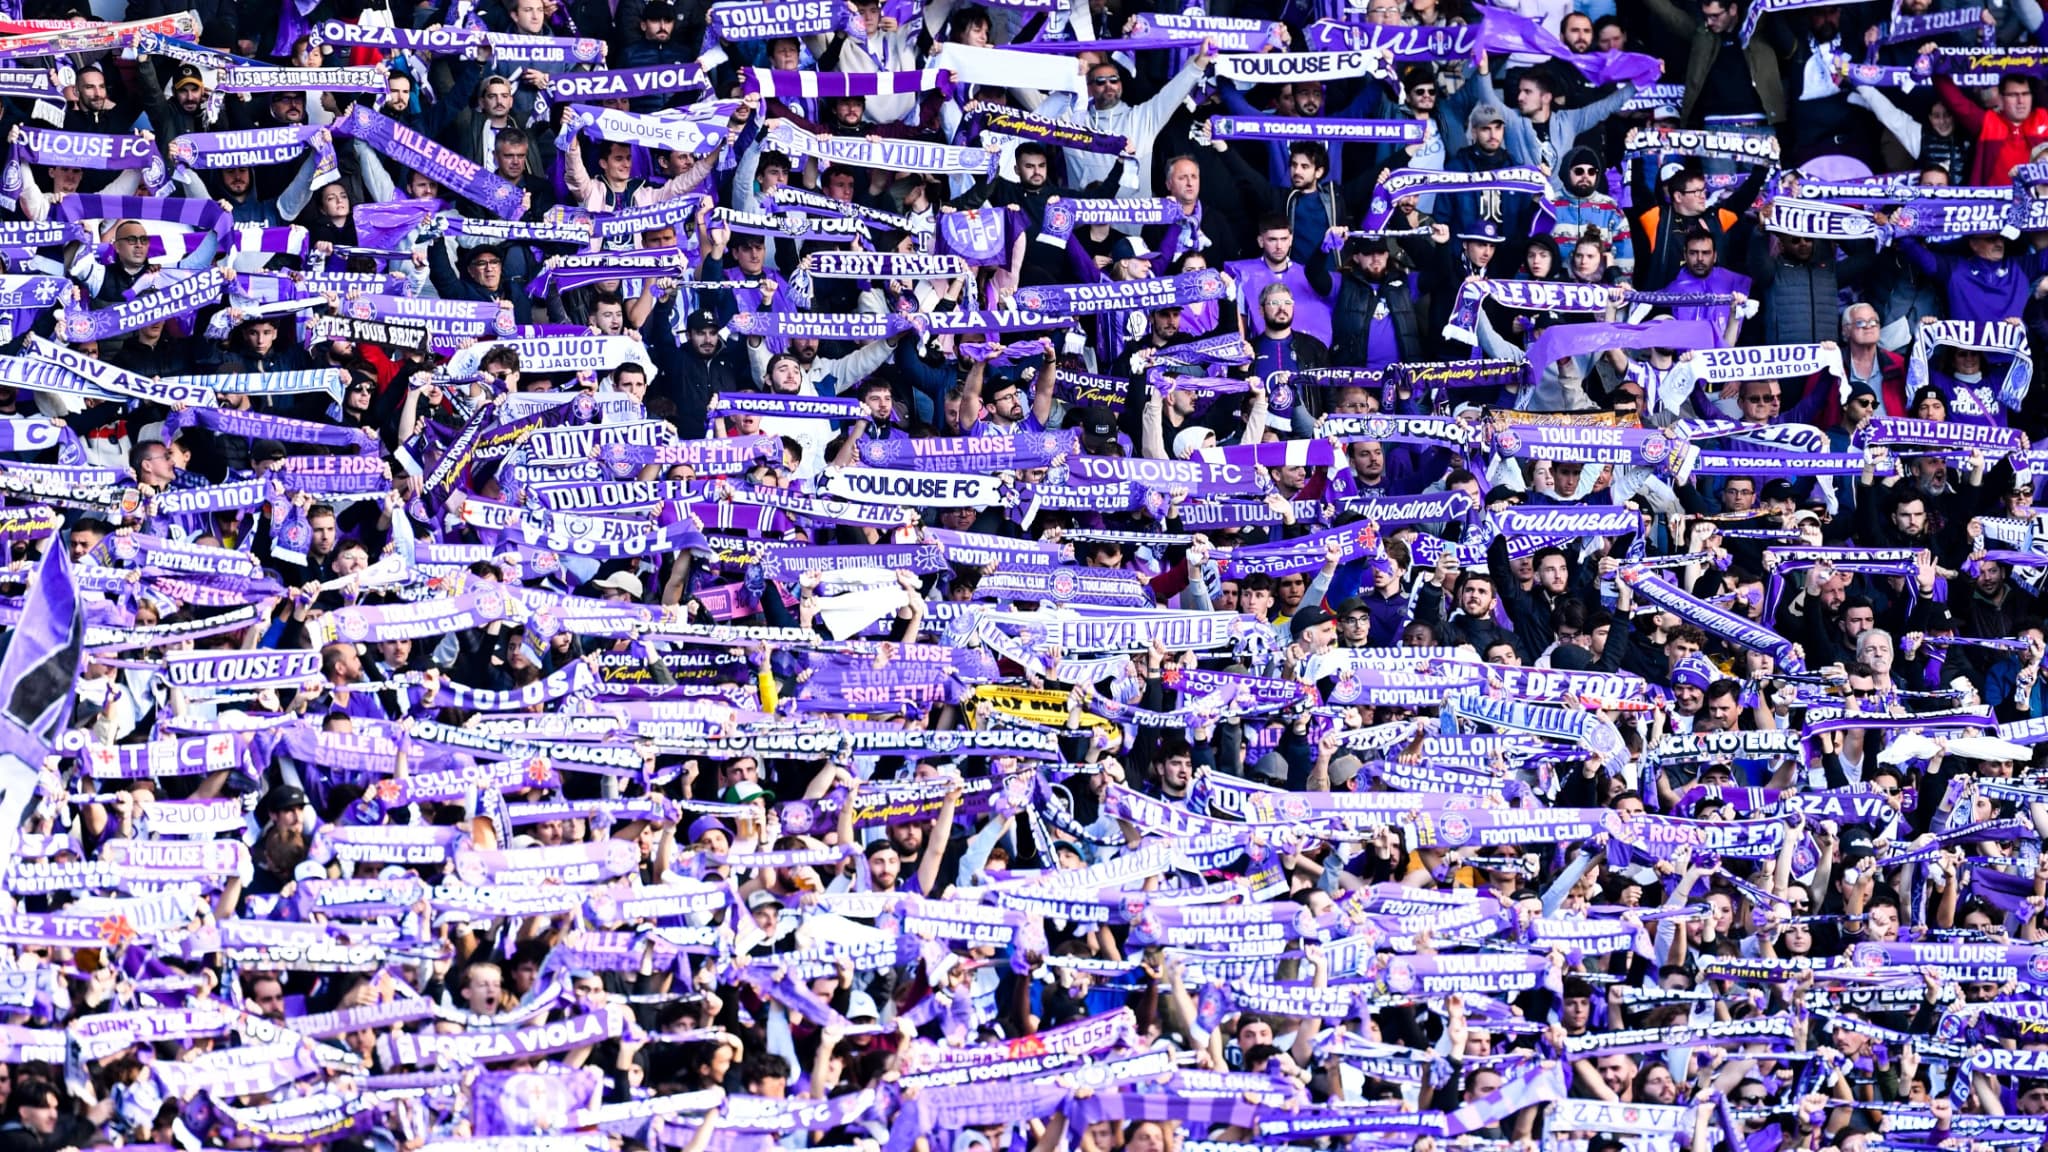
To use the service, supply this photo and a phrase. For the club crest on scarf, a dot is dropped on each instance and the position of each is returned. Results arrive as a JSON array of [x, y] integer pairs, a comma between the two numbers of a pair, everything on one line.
[[976, 235]]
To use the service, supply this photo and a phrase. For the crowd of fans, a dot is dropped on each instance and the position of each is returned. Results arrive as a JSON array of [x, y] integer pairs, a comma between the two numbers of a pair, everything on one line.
[[604, 575]]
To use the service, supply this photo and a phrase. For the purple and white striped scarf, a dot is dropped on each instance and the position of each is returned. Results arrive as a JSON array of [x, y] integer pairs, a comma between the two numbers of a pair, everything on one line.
[[815, 85]]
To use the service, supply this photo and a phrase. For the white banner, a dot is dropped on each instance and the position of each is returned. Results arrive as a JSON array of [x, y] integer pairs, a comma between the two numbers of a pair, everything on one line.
[[914, 489], [1292, 67], [1765, 362]]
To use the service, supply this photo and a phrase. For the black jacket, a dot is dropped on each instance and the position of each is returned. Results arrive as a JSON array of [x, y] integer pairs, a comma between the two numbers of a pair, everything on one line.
[[1357, 299], [688, 380]]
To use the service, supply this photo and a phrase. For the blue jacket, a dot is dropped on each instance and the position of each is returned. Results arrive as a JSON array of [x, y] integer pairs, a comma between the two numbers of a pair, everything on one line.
[[1978, 290]]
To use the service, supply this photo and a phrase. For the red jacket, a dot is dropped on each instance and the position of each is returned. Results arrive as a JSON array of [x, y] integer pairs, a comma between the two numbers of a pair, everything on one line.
[[1892, 399], [2001, 144]]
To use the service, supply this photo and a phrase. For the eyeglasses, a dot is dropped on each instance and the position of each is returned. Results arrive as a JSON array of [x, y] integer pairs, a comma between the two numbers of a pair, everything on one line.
[[1773, 398], [1865, 324], [1699, 191], [1752, 1098], [1584, 170], [131, 239], [1103, 81], [1354, 619]]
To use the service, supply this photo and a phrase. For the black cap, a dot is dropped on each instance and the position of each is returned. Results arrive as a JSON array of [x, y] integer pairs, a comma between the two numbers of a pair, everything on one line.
[[658, 10], [282, 798], [1372, 246], [1856, 843], [1931, 616], [1502, 494], [189, 74], [267, 450], [470, 254], [1097, 425], [1781, 489], [1570, 658], [703, 320], [1350, 604], [1310, 616]]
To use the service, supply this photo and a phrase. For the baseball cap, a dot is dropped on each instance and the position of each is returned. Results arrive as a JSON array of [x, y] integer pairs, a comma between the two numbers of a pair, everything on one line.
[[744, 791], [658, 10], [703, 320], [1188, 440], [861, 1006], [1129, 248], [262, 450], [622, 582], [1344, 769], [1098, 430], [706, 824], [1781, 489], [1310, 616], [762, 899], [1856, 843], [189, 76], [283, 798], [1483, 230]]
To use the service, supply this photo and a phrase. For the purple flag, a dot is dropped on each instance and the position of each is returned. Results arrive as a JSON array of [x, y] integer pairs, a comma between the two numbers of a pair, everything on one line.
[[40, 675], [1503, 31]]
